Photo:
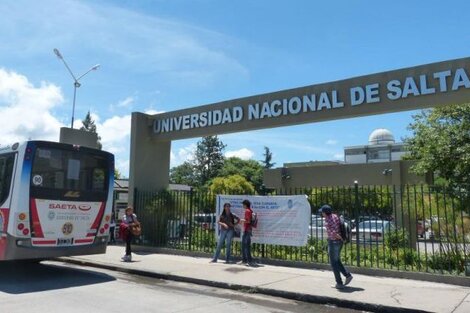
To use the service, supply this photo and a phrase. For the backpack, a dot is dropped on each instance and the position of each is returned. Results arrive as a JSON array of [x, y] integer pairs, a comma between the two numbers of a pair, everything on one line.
[[344, 230], [254, 219]]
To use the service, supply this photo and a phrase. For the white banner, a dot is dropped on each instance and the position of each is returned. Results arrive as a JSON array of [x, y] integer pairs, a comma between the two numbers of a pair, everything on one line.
[[282, 220]]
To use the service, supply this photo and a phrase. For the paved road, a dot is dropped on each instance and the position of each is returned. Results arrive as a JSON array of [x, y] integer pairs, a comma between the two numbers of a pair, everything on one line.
[[57, 287]]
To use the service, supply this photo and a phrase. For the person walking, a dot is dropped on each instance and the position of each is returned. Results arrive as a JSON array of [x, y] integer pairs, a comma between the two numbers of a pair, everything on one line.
[[128, 220], [335, 244], [112, 227], [227, 222], [247, 233]]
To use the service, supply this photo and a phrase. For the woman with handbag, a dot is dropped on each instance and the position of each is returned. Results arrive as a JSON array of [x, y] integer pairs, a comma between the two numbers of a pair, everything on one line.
[[129, 228], [227, 222]]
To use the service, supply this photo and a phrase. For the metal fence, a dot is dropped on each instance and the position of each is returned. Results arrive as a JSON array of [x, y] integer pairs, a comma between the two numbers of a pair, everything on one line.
[[411, 228]]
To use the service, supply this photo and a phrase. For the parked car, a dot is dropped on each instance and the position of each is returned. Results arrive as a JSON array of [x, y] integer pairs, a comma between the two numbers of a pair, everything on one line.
[[372, 230], [205, 220], [422, 226], [317, 228]]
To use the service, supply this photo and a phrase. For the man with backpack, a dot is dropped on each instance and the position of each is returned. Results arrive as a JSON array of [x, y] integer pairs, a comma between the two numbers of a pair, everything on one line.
[[247, 233], [335, 243]]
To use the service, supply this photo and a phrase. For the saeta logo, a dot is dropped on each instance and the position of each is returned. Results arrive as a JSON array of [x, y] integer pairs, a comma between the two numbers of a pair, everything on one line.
[[68, 206], [84, 207]]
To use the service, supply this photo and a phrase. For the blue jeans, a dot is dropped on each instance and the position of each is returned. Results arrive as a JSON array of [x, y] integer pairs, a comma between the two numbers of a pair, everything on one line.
[[246, 247], [334, 253], [226, 236]]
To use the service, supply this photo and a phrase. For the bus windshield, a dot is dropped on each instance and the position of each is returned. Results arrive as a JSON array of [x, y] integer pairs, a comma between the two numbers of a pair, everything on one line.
[[62, 170]]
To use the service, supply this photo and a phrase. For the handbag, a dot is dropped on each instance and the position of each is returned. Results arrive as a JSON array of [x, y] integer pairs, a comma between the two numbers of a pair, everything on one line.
[[136, 229], [237, 231]]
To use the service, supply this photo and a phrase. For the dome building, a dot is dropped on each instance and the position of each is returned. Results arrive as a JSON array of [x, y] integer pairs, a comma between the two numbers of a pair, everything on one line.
[[381, 148], [381, 136], [377, 163]]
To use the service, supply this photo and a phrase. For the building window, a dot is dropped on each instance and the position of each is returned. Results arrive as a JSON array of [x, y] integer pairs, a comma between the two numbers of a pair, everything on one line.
[[378, 155]]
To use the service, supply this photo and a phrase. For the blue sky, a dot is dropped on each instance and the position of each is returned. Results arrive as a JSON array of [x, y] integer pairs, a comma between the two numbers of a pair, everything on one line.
[[160, 56]]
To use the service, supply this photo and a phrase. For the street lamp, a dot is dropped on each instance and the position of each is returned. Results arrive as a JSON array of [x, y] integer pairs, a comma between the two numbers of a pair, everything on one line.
[[76, 84]]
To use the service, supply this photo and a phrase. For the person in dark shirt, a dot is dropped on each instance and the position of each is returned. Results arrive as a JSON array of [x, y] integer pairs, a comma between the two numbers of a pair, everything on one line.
[[227, 222]]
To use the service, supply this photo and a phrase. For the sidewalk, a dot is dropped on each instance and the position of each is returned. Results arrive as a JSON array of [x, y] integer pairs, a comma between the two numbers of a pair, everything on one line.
[[364, 293]]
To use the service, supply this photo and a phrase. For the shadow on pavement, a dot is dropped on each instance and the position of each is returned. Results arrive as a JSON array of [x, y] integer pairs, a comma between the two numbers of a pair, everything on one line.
[[24, 277], [348, 289], [238, 269], [133, 261], [142, 252]]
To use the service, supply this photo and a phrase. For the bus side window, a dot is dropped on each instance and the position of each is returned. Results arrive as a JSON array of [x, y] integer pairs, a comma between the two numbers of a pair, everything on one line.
[[6, 171]]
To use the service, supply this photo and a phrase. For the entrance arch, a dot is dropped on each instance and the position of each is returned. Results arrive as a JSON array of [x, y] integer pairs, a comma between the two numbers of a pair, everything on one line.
[[406, 89]]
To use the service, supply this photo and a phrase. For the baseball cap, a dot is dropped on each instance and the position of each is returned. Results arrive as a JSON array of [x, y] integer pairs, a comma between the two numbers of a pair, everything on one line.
[[325, 209]]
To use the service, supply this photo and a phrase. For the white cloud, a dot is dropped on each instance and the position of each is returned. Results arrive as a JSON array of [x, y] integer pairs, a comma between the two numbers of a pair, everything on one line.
[[136, 42], [26, 111], [338, 156], [123, 166], [126, 103], [331, 142], [115, 137], [115, 133], [244, 154], [184, 154], [153, 112]]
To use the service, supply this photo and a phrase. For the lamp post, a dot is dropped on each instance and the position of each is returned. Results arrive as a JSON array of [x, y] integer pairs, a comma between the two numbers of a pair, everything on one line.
[[76, 83]]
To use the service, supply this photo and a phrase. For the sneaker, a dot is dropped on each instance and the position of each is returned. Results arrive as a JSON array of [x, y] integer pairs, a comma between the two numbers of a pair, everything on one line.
[[124, 258], [348, 280], [213, 261], [241, 263], [339, 286]]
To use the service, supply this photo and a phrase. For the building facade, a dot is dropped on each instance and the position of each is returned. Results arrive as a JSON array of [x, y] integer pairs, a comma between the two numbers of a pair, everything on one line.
[[377, 163]]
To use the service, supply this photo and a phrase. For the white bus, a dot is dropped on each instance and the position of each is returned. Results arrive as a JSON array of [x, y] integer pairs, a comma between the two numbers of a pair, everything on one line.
[[55, 200]]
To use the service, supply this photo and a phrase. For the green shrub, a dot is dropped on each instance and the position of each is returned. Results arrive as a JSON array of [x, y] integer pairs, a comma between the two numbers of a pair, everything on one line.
[[396, 239], [447, 262]]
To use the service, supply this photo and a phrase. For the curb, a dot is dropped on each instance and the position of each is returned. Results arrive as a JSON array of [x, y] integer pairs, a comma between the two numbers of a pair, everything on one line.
[[421, 276], [248, 289]]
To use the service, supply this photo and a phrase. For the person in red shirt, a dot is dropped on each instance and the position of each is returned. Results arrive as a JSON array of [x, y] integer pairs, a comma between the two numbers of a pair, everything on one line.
[[247, 233], [335, 243]]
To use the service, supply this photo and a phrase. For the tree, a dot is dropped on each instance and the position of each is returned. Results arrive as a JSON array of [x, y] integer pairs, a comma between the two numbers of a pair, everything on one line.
[[251, 170], [234, 184], [268, 156], [441, 144], [183, 174], [208, 159], [117, 174], [89, 126]]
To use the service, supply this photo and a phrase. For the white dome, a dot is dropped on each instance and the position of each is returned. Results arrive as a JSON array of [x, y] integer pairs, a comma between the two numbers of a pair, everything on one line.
[[381, 136]]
